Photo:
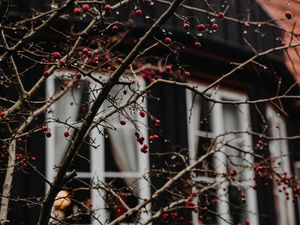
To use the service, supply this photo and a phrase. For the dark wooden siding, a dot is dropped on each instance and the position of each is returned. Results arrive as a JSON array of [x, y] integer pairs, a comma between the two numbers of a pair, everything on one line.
[[260, 37], [169, 106]]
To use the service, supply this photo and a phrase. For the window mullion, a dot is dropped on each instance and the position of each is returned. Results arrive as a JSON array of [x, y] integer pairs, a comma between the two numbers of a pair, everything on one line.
[[220, 165], [98, 170], [252, 208]]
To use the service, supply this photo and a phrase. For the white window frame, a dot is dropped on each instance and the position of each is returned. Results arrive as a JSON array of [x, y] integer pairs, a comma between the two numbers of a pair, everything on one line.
[[285, 212], [220, 163], [97, 157]]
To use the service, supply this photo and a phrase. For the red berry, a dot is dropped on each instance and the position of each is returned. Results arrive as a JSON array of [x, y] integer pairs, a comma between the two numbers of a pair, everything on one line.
[[46, 74], [201, 27], [187, 74], [85, 51], [142, 114], [66, 133], [174, 214], [167, 40], [186, 25], [140, 140], [48, 134], [143, 150], [197, 44], [138, 12], [151, 138], [2, 114], [33, 158], [63, 62], [169, 68], [122, 122], [78, 76], [221, 15], [157, 123], [85, 7], [164, 216], [107, 10], [214, 26], [288, 15], [77, 11], [56, 55], [115, 28]]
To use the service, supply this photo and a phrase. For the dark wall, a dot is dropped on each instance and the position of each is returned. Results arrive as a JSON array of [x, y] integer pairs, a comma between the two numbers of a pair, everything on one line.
[[168, 104]]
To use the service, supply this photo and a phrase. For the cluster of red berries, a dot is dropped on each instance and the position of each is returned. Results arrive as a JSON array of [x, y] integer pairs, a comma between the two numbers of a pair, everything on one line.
[[189, 204], [202, 27], [246, 222], [78, 10], [148, 75], [153, 137], [144, 149], [140, 139], [87, 52], [172, 215], [46, 131]]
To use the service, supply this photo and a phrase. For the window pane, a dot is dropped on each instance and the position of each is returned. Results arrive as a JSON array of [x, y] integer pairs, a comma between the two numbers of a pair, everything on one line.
[[81, 162], [234, 142], [236, 205], [203, 145], [73, 106], [202, 111]]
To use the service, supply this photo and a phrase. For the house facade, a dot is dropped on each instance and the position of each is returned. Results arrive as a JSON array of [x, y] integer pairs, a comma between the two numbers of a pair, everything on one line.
[[138, 150]]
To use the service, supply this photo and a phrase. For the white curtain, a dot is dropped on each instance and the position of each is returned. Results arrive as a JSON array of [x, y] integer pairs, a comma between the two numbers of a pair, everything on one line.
[[122, 138], [124, 149]]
